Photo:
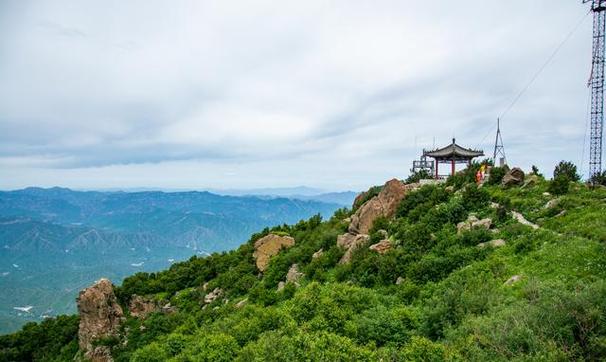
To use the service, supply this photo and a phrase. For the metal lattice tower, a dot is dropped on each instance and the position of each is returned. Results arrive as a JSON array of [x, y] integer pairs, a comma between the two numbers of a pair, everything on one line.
[[596, 82], [499, 148]]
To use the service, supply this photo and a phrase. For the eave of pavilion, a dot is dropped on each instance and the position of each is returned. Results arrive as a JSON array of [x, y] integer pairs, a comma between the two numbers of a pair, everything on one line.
[[454, 152]]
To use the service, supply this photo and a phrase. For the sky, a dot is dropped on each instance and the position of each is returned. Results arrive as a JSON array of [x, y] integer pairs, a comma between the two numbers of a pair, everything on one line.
[[337, 95]]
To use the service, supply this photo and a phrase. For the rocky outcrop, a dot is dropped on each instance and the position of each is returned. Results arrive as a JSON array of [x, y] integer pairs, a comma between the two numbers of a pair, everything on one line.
[[513, 177], [294, 275], [350, 242], [382, 205], [522, 220], [140, 307], [359, 199], [268, 246], [100, 317], [212, 296], [472, 223], [382, 246]]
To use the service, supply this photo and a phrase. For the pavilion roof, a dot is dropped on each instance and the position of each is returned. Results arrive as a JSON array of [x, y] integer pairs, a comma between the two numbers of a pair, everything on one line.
[[454, 151]]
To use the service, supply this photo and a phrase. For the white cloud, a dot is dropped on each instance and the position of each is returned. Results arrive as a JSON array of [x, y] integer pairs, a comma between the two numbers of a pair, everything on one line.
[[278, 93]]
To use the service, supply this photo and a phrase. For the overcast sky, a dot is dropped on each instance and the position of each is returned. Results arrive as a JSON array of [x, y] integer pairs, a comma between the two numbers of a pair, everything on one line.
[[246, 94]]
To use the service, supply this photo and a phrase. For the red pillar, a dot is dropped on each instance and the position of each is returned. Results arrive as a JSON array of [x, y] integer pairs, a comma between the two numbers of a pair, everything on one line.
[[453, 167]]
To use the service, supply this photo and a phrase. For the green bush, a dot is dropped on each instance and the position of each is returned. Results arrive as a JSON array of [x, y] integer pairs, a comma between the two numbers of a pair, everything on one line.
[[475, 198], [496, 175], [153, 352], [599, 179], [559, 185], [211, 348], [566, 169], [418, 176]]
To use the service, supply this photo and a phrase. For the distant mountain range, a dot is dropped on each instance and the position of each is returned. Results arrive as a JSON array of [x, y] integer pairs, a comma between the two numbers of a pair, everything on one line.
[[54, 241]]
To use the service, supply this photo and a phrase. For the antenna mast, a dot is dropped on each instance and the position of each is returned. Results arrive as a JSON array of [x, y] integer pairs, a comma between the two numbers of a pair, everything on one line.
[[499, 148], [596, 82]]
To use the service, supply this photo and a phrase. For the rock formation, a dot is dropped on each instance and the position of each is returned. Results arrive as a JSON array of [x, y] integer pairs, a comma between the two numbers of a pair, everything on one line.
[[212, 296], [513, 177], [140, 307], [382, 205], [350, 242], [294, 275], [382, 246], [100, 317], [268, 246], [359, 199], [522, 220], [472, 223]]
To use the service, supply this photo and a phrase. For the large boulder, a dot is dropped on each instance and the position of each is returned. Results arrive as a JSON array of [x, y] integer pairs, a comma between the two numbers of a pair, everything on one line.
[[268, 246], [384, 204], [350, 242], [100, 317], [513, 177], [381, 247]]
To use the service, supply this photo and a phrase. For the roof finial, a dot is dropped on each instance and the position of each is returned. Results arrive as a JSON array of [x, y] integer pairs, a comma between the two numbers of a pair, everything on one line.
[[454, 140]]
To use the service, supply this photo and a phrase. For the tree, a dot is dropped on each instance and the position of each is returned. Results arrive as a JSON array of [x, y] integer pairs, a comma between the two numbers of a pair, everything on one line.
[[418, 176], [598, 179], [568, 170]]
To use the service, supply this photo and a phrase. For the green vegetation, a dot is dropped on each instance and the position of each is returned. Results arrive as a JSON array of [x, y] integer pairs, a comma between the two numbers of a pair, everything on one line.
[[453, 300], [566, 169]]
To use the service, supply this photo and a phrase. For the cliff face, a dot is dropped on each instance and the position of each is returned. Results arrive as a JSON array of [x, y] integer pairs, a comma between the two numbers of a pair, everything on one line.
[[384, 204], [100, 317]]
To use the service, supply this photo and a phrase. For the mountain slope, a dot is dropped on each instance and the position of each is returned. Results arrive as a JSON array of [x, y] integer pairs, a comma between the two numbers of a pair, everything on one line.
[[450, 286], [56, 241]]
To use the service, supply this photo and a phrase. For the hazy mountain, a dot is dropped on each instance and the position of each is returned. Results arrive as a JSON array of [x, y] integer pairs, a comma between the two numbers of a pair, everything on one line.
[[55, 241]]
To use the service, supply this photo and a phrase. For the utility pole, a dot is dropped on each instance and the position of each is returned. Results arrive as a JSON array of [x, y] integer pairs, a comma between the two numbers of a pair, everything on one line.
[[596, 82], [499, 148]]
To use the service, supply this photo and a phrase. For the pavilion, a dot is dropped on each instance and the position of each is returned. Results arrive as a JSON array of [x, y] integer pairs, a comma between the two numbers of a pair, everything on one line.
[[452, 154]]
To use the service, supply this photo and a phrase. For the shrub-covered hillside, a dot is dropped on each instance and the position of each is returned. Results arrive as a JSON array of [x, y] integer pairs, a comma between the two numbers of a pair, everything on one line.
[[529, 285]]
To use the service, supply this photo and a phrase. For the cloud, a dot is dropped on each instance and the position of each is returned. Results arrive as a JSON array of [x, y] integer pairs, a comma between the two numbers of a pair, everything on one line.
[[327, 94]]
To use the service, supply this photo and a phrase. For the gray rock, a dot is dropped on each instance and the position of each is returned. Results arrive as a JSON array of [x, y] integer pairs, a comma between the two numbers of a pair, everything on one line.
[[514, 279]]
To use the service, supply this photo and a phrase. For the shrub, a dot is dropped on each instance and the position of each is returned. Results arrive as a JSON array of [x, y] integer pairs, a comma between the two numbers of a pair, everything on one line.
[[382, 326], [428, 196], [153, 352], [535, 171], [496, 175], [422, 349], [417, 176], [475, 198], [566, 169], [559, 185], [211, 347], [598, 179]]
